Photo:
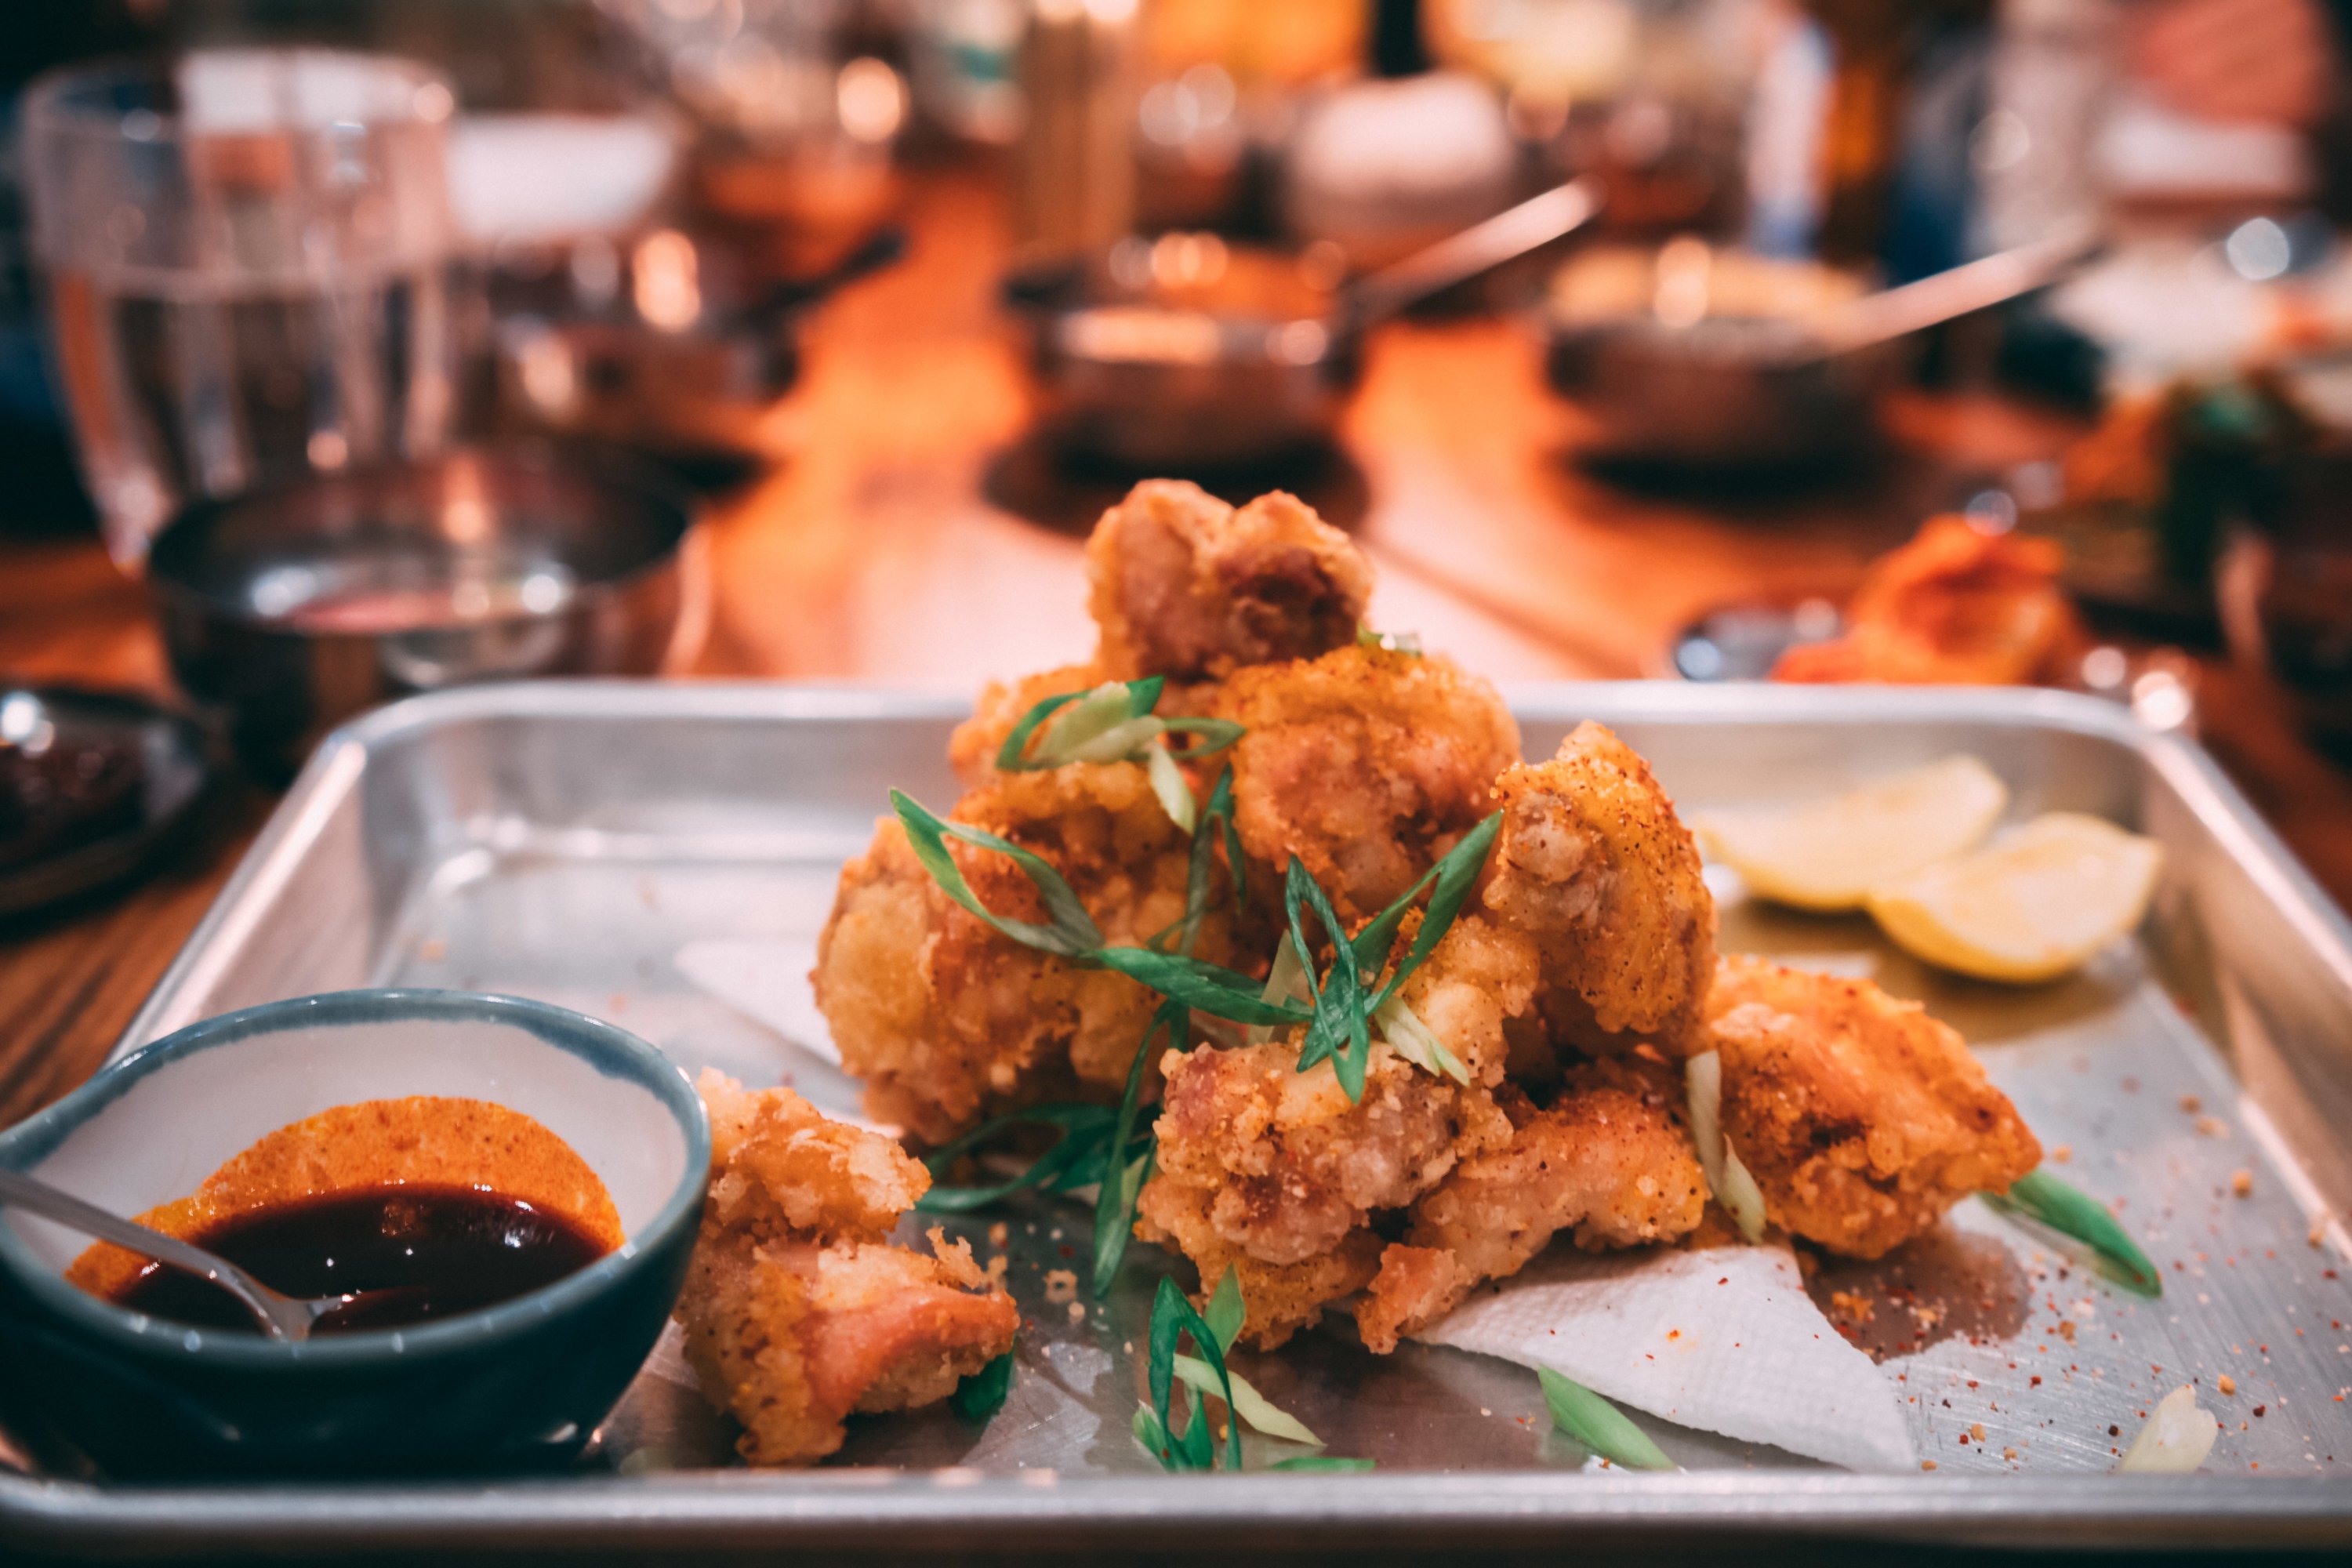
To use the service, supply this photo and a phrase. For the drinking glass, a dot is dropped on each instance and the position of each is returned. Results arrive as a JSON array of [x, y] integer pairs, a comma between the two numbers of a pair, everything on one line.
[[248, 260]]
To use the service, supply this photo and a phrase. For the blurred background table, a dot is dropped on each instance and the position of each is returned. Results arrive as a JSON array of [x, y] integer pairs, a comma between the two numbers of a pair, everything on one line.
[[891, 548]]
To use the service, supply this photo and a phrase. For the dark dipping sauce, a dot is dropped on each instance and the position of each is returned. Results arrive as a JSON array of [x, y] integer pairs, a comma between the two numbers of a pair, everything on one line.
[[442, 1250]]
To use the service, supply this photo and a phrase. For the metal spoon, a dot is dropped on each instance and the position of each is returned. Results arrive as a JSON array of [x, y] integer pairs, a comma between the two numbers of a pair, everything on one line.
[[1945, 296], [1508, 235], [280, 1316]]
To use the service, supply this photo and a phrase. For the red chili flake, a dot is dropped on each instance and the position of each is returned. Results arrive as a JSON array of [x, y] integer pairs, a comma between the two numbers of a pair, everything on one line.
[[2115, 1431], [2259, 1409], [2037, 1381]]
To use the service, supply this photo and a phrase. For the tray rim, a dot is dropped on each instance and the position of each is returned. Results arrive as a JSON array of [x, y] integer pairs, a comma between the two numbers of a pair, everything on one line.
[[743, 1508]]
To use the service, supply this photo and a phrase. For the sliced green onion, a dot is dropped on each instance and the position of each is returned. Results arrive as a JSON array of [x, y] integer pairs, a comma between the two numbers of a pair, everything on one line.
[[1248, 1403], [1192, 1447], [2178, 1436], [1452, 876], [1071, 933], [1599, 1424], [1320, 1462], [1227, 1313], [1175, 793], [1011, 756], [1211, 988], [1098, 712], [1416, 1042], [982, 1394], [1115, 1203], [1338, 1031], [1210, 735], [1075, 1160], [1122, 743], [1286, 984], [1727, 1178], [1389, 642], [1114, 723], [1742, 1199], [2048, 1202]]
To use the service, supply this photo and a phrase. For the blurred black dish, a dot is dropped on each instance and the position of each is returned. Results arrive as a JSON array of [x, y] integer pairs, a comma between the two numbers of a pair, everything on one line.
[[293, 609], [677, 346], [93, 785]]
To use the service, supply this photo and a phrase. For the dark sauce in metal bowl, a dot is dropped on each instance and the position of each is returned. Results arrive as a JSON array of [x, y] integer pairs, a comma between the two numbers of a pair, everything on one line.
[[442, 1250]]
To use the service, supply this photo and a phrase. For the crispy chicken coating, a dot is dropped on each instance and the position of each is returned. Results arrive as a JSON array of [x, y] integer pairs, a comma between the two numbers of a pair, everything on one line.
[[949, 1021], [1366, 765], [1594, 865], [1610, 1161], [797, 1309], [1861, 1118], [1259, 1161], [1184, 585]]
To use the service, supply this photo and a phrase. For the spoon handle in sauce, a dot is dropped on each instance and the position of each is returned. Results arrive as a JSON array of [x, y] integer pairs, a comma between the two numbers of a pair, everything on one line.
[[25, 1192]]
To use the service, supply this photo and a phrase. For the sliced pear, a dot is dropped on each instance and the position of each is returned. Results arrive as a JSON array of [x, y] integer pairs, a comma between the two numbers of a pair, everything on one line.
[[2036, 903], [1829, 854]]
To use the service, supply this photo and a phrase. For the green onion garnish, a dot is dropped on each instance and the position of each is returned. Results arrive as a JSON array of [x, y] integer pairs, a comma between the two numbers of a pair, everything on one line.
[[1320, 1462], [1599, 1424], [1114, 723], [1123, 1178], [1727, 1178], [1336, 1010], [1406, 643], [1077, 1158], [1189, 1447], [2049, 1203], [1212, 1332], [982, 1394]]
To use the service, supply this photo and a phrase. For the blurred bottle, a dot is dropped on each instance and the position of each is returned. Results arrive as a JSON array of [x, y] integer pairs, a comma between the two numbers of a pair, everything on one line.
[[2035, 151], [1884, 55], [1075, 189]]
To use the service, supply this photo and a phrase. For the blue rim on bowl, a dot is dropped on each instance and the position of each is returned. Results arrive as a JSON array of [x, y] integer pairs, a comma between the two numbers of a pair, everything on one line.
[[613, 1052]]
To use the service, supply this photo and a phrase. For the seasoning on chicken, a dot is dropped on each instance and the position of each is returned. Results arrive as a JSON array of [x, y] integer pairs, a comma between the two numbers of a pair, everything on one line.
[[1185, 586], [1861, 1118], [1262, 1164], [1366, 765], [1594, 865], [946, 1019], [797, 1308], [1610, 1161]]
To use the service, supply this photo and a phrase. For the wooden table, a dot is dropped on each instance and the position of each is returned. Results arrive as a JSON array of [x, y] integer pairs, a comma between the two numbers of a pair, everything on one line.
[[874, 550]]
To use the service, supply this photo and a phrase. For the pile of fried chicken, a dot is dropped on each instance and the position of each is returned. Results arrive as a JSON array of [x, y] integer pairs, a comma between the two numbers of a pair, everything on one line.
[[1579, 976]]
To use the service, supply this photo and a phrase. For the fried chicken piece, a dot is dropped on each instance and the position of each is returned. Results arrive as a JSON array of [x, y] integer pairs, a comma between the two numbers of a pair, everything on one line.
[[1366, 765], [1184, 585], [1594, 865], [1861, 1118], [1265, 1166], [1610, 1161], [797, 1309], [1954, 606], [947, 1019]]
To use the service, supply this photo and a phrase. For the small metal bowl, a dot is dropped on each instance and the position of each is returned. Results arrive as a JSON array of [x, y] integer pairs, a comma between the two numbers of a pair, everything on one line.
[[292, 609], [1151, 380], [1725, 391]]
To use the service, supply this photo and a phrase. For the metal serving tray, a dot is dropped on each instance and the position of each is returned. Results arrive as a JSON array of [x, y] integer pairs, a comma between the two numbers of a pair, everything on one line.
[[565, 840]]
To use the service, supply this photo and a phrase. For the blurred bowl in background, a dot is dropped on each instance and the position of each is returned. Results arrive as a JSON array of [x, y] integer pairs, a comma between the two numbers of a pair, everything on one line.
[[292, 609], [1693, 355], [1187, 351]]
